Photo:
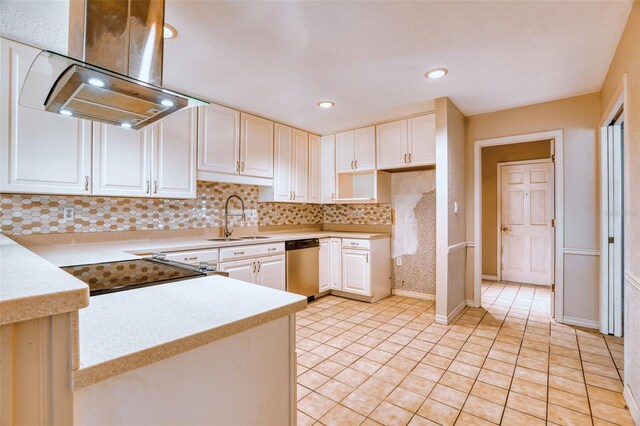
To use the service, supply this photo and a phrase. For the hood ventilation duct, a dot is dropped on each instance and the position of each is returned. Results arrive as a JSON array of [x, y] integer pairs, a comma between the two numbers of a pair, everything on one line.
[[113, 72]]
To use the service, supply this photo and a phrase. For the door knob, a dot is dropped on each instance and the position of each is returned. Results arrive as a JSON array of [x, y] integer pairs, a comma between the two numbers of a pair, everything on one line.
[[505, 229]]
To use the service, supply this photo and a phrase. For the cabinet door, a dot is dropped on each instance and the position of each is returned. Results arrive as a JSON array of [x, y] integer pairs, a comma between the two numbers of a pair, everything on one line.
[[335, 254], [356, 276], [365, 148], [174, 154], [219, 139], [328, 169], [422, 140], [271, 272], [283, 156], [324, 261], [345, 152], [243, 270], [392, 145], [256, 146], [315, 169], [40, 152], [121, 161], [300, 172]]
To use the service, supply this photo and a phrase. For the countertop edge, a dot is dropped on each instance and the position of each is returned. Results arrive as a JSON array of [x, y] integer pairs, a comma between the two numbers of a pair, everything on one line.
[[43, 305], [87, 376]]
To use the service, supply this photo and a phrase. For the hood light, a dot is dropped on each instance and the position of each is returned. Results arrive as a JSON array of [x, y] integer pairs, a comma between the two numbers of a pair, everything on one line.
[[436, 73], [167, 102], [96, 82], [326, 104], [66, 112], [125, 125]]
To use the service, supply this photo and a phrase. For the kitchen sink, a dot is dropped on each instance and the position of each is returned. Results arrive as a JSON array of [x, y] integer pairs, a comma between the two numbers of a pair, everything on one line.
[[222, 239], [254, 237]]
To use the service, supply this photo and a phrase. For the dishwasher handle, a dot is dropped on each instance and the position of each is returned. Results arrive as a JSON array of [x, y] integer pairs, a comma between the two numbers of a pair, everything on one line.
[[301, 244]]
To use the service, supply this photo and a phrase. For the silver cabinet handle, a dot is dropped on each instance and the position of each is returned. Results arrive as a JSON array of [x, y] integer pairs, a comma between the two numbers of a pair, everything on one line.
[[333, 195], [294, 195], [352, 165], [242, 166], [259, 266], [238, 253], [191, 259], [237, 166], [86, 183], [405, 159], [356, 162], [148, 191], [290, 195], [253, 267], [367, 257], [409, 157], [155, 186]]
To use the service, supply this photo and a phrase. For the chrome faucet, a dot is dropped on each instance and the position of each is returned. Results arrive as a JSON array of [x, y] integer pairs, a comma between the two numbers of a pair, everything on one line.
[[227, 232]]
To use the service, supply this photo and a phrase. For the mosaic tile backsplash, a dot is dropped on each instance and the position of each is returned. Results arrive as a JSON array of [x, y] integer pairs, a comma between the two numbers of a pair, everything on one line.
[[24, 214]]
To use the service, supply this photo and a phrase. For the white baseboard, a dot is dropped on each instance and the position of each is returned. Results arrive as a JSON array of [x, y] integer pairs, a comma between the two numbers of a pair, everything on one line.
[[580, 322], [634, 409], [413, 294], [441, 319], [490, 277], [470, 303]]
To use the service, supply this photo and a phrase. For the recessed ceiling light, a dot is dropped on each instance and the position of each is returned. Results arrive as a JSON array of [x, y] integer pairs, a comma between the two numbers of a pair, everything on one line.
[[169, 31], [96, 82], [326, 104], [436, 73], [66, 112], [125, 125], [167, 102]]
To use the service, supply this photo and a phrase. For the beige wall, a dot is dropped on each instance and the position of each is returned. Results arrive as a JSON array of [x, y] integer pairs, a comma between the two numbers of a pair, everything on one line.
[[578, 118], [451, 251], [491, 156], [627, 60]]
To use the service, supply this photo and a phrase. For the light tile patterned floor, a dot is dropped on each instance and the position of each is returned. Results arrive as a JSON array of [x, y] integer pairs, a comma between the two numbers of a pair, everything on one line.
[[389, 363]]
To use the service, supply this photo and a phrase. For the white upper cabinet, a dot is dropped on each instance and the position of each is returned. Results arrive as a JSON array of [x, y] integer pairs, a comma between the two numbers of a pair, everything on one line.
[[356, 150], [218, 139], [290, 182], [300, 164], [121, 161], [158, 161], [365, 149], [174, 155], [345, 151], [422, 140], [256, 146], [40, 152], [407, 143], [315, 169], [392, 144], [328, 169]]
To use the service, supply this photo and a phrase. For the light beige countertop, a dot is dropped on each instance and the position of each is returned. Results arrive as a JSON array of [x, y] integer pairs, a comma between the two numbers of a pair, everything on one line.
[[31, 287], [122, 331]]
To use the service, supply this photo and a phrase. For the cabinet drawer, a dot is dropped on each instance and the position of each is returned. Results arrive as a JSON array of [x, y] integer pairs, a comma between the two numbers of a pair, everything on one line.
[[240, 252], [195, 256], [356, 244]]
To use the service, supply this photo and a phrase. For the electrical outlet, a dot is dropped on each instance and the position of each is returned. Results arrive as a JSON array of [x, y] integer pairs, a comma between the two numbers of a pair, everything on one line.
[[68, 213], [398, 261]]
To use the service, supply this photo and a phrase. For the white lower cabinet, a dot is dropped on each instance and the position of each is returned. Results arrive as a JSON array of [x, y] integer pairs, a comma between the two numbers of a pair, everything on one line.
[[268, 271], [356, 274], [324, 261]]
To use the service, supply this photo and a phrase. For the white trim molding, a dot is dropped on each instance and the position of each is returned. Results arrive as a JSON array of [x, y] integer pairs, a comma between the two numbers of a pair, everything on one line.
[[558, 149], [441, 319], [413, 294], [457, 247], [634, 409], [470, 244], [582, 252], [489, 277], [581, 322], [470, 303]]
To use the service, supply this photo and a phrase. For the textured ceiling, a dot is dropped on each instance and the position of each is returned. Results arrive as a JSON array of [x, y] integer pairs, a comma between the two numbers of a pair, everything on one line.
[[279, 58]]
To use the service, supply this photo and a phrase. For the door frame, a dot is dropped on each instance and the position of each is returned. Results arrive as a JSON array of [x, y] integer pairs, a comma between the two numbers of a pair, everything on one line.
[[618, 102], [499, 207], [557, 149]]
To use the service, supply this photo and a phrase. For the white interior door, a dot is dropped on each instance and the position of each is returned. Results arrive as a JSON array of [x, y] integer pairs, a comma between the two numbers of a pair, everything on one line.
[[526, 223]]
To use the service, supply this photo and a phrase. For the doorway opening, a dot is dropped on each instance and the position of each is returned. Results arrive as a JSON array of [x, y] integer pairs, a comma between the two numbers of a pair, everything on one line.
[[529, 215]]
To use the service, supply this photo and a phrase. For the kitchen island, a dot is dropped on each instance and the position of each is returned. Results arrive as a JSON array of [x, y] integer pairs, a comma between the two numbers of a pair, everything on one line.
[[208, 350]]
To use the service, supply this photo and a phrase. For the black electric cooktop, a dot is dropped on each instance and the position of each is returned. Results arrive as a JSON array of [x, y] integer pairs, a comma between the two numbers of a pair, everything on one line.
[[110, 277]]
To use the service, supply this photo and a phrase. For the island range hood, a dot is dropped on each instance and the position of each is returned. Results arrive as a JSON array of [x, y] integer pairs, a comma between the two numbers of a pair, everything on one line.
[[113, 71]]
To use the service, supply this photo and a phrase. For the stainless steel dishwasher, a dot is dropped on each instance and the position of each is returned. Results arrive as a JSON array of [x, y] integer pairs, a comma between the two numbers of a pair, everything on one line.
[[303, 269]]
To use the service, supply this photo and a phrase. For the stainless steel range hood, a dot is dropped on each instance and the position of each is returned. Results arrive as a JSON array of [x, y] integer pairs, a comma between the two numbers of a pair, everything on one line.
[[113, 71]]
